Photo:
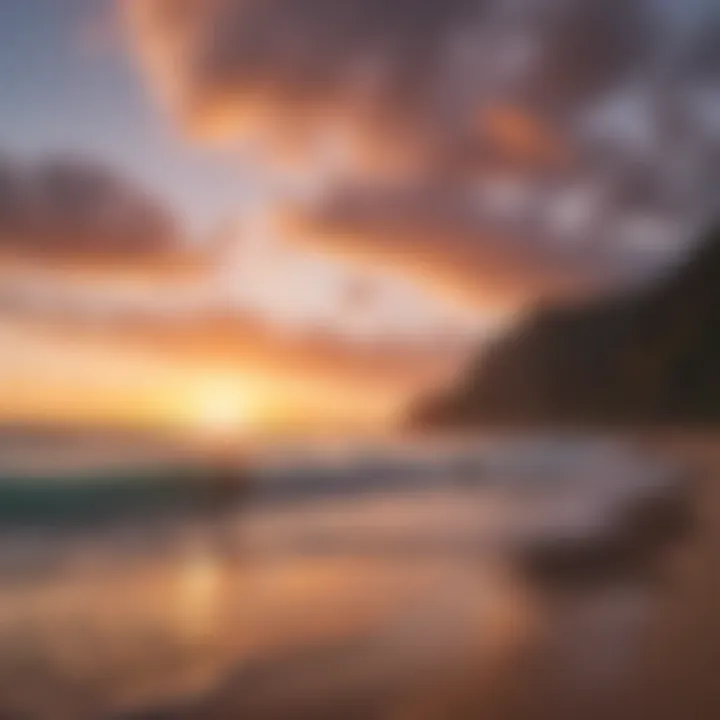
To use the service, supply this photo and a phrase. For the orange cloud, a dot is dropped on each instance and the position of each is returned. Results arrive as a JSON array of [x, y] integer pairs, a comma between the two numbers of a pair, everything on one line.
[[522, 136], [72, 208], [309, 78], [433, 235], [157, 372], [432, 101]]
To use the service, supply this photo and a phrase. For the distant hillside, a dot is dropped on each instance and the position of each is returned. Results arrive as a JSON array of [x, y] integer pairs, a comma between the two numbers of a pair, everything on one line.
[[649, 357]]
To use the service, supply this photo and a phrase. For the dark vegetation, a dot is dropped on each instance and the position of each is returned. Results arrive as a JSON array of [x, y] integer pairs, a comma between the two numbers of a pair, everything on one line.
[[650, 357]]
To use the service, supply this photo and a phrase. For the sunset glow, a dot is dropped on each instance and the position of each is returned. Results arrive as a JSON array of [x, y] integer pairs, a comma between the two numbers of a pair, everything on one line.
[[221, 407], [220, 233]]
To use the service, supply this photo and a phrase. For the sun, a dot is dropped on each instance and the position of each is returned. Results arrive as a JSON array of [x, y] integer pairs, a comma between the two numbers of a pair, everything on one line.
[[221, 408]]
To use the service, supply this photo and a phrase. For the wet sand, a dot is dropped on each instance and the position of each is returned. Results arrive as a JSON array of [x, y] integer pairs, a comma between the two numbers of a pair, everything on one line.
[[643, 644], [677, 675], [394, 608], [639, 641]]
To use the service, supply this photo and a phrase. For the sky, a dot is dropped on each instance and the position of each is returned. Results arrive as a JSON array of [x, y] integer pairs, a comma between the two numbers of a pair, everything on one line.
[[292, 204], [70, 87]]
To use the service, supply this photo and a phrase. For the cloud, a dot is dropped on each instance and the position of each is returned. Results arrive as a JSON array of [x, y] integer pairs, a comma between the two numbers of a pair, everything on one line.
[[81, 246], [510, 148], [413, 72], [299, 70], [73, 209], [442, 236], [79, 241], [66, 370]]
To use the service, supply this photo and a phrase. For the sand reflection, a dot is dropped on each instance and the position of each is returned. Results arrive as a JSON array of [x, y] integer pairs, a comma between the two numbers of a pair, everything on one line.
[[231, 605]]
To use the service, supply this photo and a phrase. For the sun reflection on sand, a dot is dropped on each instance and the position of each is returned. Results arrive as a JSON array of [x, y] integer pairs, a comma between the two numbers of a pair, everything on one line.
[[200, 582]]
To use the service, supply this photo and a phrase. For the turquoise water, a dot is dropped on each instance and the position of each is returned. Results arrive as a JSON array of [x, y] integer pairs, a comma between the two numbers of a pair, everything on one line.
[[72, 497]]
